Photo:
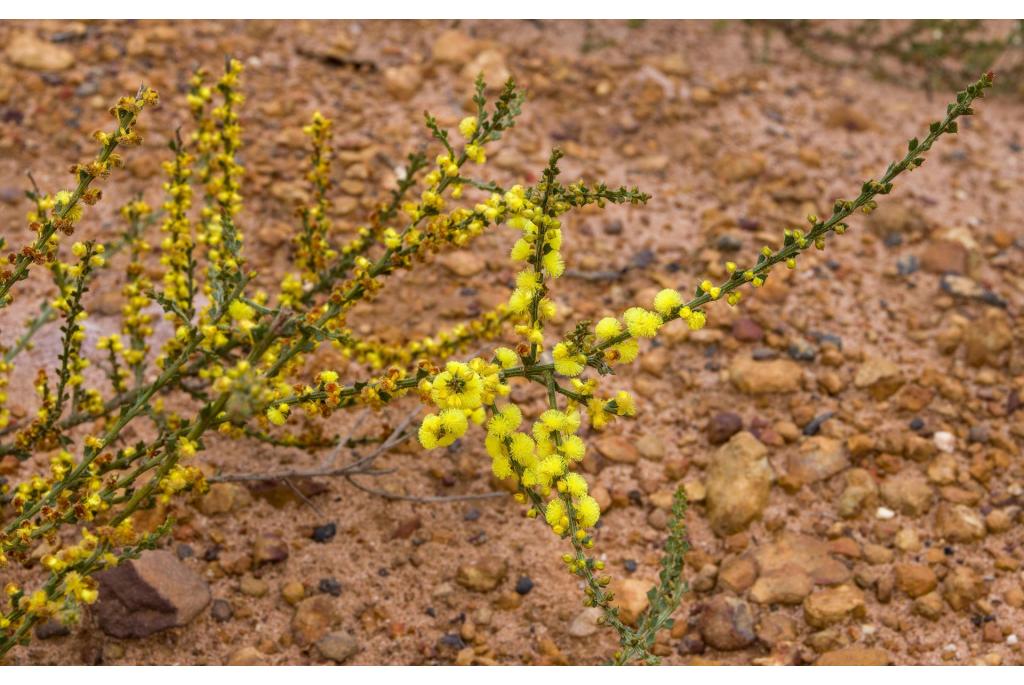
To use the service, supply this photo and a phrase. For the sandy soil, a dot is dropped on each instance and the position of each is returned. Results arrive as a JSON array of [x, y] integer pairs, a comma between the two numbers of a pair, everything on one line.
[[733, 147]]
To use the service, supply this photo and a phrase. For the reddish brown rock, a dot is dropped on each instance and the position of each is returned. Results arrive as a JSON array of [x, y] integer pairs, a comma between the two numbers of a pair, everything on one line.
[[793, 550], [817, 458], [944, 257], [727, 623], [723, 426], [746, 329], [738, 484], [789, 585], [962, 587], [908, 492], [958, 523], [617, 448], [880, 377], [765, 377], [269, 549], [915, 579], [313, 619], [833, 605], [630, 598], [149, 594], [482, 577]]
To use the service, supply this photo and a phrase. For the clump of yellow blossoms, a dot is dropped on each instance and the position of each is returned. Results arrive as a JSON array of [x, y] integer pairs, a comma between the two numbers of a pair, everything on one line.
[[233, 355]]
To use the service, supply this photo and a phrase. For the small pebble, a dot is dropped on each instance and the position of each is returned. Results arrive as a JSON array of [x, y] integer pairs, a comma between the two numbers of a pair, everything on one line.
[[884, 513], [524, 585], [630, 565], [945, 442], [221, 610], [814, 426], [325, 532], [330, 586], [1012, 639]]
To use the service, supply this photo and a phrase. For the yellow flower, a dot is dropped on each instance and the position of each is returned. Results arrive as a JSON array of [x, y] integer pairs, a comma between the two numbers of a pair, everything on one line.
[[624, 405], [607, 328], [457, 387], [573, 447], [505, 421], [240, 311], [697, 321], [641, 323], [575, 484], [555, 512], [667, 302], [506, 357], [588, 511], [628, 350], [566, 362], [276, 416], [467, 127]]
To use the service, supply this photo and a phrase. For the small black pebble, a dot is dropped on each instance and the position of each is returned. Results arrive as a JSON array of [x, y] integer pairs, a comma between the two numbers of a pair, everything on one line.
[[948, 551], [325, 532], [814, 426], [524, 585], [471, 515], [630, 565], [452, 640], [431, 613], [212, 554], [383, 572], [330, 586], [221, 610], [185, 551], [916, 423]]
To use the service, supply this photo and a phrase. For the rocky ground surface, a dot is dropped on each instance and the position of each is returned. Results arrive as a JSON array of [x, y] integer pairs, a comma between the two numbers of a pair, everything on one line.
[[849, 437]]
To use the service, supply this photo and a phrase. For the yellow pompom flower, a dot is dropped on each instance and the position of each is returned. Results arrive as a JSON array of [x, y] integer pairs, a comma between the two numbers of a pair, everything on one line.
[[555, 512], [607, 328], [467, 127], [628, 350], [505, 357], [624, 405], [501, 467], [573, 447], [276, 416], [505, 421], [588, 511], [667, 302], [522, 448], [641, 323], [575, 484], [566, 362], [430, 431], [697, 320], [457, 387]]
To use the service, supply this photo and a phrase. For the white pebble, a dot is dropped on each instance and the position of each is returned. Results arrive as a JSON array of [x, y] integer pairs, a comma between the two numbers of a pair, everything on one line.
[[945, 442], [1011, 639], [884, 513]]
